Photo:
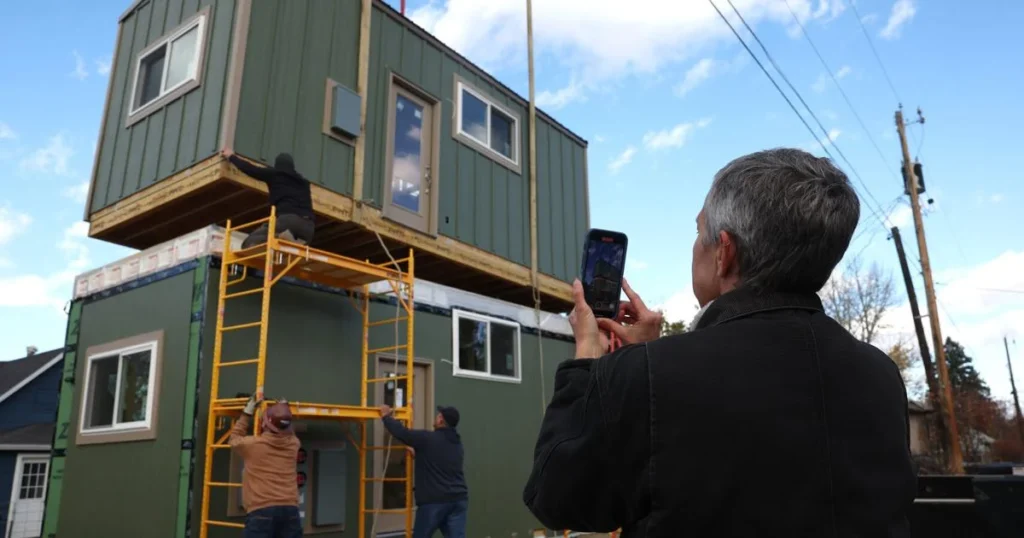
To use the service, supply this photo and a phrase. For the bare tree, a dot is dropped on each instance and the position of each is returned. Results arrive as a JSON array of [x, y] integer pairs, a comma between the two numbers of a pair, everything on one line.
[[859, 299]]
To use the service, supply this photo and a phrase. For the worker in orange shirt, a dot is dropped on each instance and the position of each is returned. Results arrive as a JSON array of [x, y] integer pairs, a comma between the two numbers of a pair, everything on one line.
[[270, 493]]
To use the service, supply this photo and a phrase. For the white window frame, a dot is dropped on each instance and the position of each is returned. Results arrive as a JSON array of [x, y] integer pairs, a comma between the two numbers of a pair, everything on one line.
[[197, 21], [485, 145], [457, 371], [154, 363]]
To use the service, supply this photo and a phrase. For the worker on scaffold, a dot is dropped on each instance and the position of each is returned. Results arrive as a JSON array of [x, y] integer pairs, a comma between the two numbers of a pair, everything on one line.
[[289, 193], [270, 493], [442, 499]]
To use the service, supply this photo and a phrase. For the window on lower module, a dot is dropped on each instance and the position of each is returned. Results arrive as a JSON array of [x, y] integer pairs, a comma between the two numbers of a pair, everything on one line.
[[486, 347], [118, 395], [486, 125], [169, 65]]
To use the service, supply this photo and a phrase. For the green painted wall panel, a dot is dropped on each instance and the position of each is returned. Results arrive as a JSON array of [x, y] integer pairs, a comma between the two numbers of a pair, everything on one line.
[[181, 132], [481, 202], [292, 49], [145, 487]]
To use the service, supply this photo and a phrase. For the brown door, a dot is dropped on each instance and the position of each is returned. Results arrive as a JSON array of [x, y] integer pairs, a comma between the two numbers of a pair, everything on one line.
[[391, 495], [410, 184]]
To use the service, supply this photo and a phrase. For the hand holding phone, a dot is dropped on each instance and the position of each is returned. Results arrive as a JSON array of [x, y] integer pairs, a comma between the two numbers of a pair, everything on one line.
[[604, 259]]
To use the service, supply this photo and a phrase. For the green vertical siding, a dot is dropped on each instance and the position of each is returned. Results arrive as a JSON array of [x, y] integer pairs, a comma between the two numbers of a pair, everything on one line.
[[314, 355], [141, 476], [292, 49], [184, 131], [481, 202]]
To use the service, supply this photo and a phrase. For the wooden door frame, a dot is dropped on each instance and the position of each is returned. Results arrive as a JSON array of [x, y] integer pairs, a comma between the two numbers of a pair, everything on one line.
[[377, 459], [397, 82], [19, 468]]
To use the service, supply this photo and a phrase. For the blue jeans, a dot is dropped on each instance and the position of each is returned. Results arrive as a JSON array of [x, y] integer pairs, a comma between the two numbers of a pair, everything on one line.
[[449, 518], [273, 522]]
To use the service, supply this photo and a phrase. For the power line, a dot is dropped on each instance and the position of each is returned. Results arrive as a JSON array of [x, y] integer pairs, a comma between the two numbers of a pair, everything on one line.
[[875, 52], [842, 92], [883, 219]]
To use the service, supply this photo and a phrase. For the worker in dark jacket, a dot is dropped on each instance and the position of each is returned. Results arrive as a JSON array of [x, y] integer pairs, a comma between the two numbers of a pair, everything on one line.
[[768, 419], [289, 193], [442, 499]]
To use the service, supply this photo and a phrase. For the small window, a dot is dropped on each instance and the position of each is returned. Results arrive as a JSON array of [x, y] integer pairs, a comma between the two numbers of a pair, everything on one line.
[[486, 125], [170, 66], [119, 394], [486, 347]]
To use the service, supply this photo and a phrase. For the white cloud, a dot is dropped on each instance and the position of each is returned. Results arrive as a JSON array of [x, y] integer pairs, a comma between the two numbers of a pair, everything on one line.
[[902, 12], [700, 72], [974, 313], [901, 216], [78, 192], [869, 18], [829, 114], [554, 100], [80, 71], [622, 159], [680, 306], [675, 137], [820, 144], [6, 133], [821, 83], [12, 223], [103, 67], [596, 38], [51, 159], [996, 198], [50, 290]]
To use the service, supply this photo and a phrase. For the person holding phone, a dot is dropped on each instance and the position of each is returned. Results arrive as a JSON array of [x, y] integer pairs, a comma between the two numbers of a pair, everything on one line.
[[767, 419]]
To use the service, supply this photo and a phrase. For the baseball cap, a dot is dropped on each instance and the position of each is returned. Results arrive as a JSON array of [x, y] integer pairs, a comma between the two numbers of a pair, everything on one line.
[[450, 415], [280, 415]]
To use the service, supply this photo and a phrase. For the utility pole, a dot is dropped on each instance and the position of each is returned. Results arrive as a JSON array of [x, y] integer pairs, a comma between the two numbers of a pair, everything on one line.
[[934, 394], [956, 460], [1013, 388]]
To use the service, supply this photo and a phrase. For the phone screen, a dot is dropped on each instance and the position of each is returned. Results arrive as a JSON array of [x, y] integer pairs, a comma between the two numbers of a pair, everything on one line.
[[604, 258]]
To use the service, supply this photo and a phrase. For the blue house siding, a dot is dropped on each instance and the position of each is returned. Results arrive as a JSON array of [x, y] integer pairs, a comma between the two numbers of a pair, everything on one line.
[[35, 403], [7, 461]]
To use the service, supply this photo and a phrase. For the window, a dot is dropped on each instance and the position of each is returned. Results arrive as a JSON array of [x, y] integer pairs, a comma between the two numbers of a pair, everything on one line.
[[485, 347], [486, 125], [119, 394], [33, 480], [169, 68]]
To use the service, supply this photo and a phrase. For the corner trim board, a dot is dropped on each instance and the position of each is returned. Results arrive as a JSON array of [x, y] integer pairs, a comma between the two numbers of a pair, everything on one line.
[[236, 72]]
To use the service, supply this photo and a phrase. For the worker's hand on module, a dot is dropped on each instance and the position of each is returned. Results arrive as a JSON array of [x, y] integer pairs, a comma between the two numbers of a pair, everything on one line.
[[250, 406], [591, 343], [635, 322], [385, 411]]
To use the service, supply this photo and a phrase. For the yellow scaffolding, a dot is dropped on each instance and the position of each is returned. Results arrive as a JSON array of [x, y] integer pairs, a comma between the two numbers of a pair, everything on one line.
[[278, 258]]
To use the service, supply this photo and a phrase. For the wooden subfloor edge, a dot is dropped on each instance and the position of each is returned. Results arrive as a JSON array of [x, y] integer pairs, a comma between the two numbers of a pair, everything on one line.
[[329, 204]]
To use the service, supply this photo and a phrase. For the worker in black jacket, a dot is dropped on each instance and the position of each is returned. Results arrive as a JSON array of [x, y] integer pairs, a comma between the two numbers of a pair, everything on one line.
[[767, 418], [442, 499], [289, 193]]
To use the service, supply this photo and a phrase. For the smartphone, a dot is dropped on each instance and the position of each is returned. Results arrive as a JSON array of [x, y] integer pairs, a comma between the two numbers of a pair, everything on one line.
[[604, 259]]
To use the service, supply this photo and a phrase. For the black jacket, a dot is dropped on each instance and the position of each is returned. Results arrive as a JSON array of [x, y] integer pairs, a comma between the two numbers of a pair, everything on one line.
[[768, 420], [289, 191], [439, 460]]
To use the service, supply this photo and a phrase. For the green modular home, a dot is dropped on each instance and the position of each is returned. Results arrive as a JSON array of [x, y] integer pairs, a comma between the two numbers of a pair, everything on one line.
[[444, 146], [128, 449]]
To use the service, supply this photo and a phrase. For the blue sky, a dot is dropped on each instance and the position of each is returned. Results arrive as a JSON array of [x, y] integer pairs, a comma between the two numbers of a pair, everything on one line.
[[665, 95]]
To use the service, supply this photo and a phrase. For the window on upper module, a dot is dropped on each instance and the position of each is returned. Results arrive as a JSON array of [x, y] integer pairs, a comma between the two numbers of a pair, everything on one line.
[[486, 347], [487, 126], [168, 68]]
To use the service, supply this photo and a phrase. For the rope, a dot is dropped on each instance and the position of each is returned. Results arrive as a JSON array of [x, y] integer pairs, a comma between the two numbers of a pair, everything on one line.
[[394, 371], [540, 351]]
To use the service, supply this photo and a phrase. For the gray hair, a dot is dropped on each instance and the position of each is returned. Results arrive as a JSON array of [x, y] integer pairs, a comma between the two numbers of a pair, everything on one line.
[[790, 214]]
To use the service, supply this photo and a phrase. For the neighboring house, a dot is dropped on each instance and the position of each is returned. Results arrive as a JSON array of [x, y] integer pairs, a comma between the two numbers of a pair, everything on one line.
[[29, 390], [920, 428]]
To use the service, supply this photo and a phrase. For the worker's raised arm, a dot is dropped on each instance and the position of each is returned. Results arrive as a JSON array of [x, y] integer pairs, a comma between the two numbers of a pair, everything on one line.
[[593, 445], [413, 438], [264, 174], [238, 439]]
